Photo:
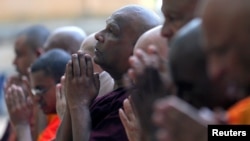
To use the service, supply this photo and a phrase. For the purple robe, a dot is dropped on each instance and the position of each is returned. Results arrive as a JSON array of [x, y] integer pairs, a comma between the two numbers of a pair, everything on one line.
[[106, 124]]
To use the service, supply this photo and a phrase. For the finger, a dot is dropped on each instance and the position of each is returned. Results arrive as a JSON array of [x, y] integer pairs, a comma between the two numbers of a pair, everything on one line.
[[27, 85], [82, 63], [58, 91], [131, 74], [16, 98], [62, 89], [128, 109], [89, 64], [123, 118], [29, 101], [69, 73], [136, 65], [20, 94], [62, 79], [141, 55], [158, 59], [21, 97], [127, 81], [8, 97], [76, 67]]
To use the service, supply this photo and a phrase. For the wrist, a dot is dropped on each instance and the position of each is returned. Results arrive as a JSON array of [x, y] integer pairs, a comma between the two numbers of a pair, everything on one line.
[[78, 106], [22, 126]]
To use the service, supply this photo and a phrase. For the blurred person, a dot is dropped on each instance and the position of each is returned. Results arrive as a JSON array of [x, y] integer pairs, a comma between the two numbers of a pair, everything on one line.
[[106, 81], [188, 70], [226, 46], [45, 73], [115, 45], [153, 37], [177, 13], [68, 38], [150, 37], [28, 47]]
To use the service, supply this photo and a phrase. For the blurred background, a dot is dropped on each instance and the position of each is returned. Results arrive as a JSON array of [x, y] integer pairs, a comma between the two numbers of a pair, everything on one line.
[[90, 15]]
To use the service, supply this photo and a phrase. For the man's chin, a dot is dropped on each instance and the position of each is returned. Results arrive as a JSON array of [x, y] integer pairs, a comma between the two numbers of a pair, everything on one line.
[[96, 60]]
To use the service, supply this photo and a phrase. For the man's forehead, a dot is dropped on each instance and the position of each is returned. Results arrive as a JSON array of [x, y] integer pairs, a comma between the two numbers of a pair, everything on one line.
[[110, 20], [21, 40], [115, 18]]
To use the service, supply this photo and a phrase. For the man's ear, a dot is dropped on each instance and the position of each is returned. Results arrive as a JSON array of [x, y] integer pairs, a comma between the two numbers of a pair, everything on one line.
[[39, 51]]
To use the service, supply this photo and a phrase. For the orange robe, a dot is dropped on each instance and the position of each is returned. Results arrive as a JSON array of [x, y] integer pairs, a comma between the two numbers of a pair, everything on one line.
[[240, 112], [49, 133]]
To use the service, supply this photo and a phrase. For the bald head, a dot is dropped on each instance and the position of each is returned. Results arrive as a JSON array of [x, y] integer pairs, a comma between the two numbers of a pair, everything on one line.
[[88, 45], [68, 38], [153, 37], [188, 65], [186, 55], [116, 42], [140, 19]]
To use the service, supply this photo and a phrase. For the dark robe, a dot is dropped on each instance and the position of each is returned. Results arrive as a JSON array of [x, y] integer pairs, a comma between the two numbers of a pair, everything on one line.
[[106, 124]]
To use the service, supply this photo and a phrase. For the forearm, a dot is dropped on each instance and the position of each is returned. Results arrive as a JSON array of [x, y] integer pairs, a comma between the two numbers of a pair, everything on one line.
[[80, 123], [64, 132], [23, 132]]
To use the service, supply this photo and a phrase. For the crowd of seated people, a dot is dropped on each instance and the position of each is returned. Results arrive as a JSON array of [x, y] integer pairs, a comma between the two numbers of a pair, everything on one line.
[[141, 78]]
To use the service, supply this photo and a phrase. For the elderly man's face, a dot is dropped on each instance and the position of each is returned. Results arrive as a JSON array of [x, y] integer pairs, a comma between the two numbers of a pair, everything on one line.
[[115, 43], [177, 13]]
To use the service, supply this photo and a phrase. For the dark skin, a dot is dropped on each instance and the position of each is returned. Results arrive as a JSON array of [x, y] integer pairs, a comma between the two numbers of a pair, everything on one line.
[[152, 81], [190, 75], [115, 45], [65, 38], [120, 34], [226, 44], [20, 111], [129, 118], [24, 55], [193, 86], [177, 13], [174, 117]]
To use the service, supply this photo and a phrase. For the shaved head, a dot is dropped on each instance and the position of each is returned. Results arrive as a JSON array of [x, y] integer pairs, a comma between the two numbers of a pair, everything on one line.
[[68, 38], [88, 45], [153, 37], [187, 64], [116, 42]]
